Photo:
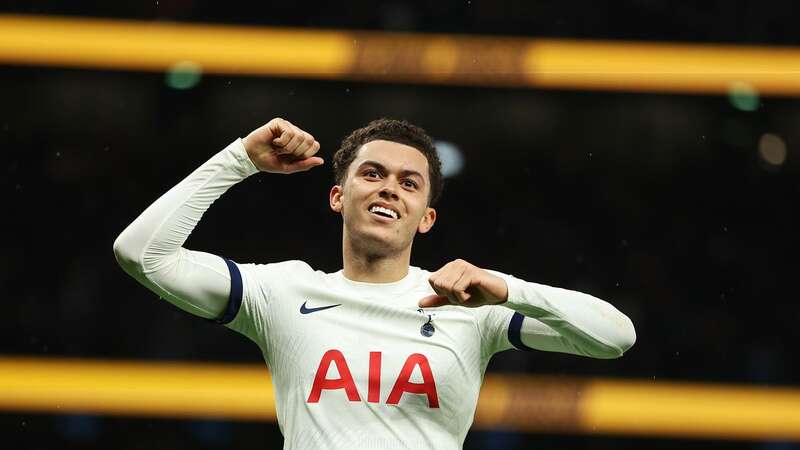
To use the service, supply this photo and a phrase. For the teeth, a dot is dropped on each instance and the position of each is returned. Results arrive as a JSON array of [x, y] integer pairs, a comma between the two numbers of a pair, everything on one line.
[[381, 209]]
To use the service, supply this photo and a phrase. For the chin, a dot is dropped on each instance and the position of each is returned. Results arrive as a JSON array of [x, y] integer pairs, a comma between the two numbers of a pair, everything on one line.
[[377, 242]]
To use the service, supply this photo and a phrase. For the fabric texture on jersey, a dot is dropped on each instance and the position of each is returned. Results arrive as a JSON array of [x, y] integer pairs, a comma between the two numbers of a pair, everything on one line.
[[372, 318], [386, 385]]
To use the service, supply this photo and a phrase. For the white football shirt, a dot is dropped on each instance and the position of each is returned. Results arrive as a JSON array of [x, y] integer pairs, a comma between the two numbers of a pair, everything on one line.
[[360, 365], [355, 365]]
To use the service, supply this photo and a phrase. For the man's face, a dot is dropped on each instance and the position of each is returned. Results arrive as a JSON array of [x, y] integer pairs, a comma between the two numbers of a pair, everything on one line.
[[384, 200]]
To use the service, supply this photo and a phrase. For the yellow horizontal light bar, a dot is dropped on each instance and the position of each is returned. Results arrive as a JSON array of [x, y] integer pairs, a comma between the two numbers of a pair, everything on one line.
[[136, 388], [156, 46], [513, 402], [692, 410], [398, 57], [665, 67]]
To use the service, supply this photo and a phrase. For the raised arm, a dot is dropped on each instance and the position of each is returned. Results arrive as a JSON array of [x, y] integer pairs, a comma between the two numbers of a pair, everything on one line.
[[564, 320], [150, 248]]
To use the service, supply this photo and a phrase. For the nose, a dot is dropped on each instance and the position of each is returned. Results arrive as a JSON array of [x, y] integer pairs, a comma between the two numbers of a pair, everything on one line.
[[389, 189]]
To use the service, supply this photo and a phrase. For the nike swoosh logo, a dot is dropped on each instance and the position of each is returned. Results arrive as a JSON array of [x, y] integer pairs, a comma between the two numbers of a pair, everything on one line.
[[304, 310]]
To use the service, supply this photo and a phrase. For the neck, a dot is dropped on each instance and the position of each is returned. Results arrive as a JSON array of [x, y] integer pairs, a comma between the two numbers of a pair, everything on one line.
[[373, 267]]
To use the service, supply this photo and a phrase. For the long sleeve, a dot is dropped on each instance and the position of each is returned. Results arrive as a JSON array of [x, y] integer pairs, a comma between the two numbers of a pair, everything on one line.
[[566, 321], [150, 248]]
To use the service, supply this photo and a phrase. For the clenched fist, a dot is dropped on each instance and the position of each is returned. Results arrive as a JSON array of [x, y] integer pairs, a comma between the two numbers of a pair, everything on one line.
[[281, 147], [463, 284]]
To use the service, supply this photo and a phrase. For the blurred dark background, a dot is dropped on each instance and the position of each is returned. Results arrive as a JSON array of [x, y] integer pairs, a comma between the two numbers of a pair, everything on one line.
[[675, 208]]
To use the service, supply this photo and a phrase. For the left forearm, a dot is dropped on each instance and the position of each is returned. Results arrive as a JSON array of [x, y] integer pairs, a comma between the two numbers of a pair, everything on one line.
[[588, 325]]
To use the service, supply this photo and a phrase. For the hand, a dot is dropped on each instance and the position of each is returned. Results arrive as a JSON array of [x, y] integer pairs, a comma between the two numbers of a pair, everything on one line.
[[281, 147], [461, 283]]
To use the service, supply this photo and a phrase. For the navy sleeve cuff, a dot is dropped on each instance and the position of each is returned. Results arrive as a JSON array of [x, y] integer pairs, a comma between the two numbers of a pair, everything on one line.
[[514, 329], [235, 298]]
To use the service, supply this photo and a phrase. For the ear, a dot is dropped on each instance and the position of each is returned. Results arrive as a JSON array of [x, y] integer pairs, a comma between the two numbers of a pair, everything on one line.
[[335, 198], [427, 220]]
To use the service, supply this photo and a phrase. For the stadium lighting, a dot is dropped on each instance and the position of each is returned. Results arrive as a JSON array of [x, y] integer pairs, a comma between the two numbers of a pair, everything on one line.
[[552, 404], [743, 96], [772, 150], [452, 158], [405, 57], [184, 75]]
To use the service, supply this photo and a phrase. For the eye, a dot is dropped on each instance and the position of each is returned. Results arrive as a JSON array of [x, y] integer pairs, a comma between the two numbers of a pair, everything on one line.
[[410, 183], [371, 173]]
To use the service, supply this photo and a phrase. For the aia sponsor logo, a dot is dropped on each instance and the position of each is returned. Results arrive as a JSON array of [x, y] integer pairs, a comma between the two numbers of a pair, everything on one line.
[[402, 385]]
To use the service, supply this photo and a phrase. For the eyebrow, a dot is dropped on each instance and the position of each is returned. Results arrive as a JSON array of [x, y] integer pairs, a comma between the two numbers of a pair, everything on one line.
[[381, 168]]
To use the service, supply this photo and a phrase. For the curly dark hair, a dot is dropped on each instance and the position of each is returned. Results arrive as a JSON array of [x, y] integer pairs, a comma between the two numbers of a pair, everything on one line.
[[393, 130]]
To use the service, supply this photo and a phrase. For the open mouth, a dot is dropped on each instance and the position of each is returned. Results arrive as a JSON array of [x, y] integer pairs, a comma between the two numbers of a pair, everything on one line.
[[383, 211]]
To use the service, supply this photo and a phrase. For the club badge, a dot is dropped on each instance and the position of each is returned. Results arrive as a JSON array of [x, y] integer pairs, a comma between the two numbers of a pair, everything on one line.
[[427, 328]]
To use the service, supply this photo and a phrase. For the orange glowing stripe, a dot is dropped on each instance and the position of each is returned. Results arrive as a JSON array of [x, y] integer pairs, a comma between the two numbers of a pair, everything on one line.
[[122, 44], [398, 57], [663, 67], [691, 410], [513, 402], [131, 388]]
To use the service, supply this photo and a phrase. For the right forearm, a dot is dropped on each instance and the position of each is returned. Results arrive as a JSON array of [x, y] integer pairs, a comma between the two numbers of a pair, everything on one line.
[[165, 225]]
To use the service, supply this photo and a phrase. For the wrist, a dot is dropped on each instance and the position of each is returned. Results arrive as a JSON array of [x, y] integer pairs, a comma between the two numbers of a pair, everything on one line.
[[512, 297], [239, 150], [502, 291], [247, 145]]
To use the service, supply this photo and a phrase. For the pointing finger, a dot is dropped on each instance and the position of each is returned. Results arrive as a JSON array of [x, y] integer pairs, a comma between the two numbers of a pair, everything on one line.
[[433, 301]]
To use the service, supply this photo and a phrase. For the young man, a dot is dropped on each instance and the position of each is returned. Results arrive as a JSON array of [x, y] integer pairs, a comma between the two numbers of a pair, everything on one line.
[[379, 354]]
